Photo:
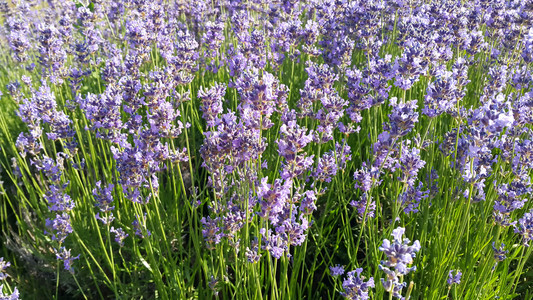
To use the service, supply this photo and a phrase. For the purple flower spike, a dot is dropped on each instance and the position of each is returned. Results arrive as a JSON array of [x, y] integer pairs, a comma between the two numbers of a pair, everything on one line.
[[64, 255], [3, 266], [211, 105], [454, 279], [211, 231], [15, 294], [62, 227], [402, 118], [399, 256], [355, 288], [336, 270], [361, 206], [500, 252], [524, 227], [120, 235]]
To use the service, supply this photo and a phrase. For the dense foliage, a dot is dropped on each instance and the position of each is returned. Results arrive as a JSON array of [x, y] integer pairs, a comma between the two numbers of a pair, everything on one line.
[[259, 149]]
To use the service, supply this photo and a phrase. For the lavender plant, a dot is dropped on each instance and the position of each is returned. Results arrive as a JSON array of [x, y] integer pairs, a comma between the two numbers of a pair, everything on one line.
[[260, 149]]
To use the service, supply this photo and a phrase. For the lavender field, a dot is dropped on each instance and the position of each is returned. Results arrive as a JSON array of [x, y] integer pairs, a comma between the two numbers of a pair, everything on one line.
[[255, 149]]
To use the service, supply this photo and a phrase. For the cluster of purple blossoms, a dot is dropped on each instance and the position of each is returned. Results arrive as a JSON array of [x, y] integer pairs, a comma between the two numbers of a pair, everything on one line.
[[233, 218], [103, 111], [411, 64], [58, 200], [3, 266], [364, 207], [14, 295], [274, 243], [486, 131], [391, 155], [60, 203], [410, 164], [355, 288], [60, 226], [140, 226], [228, 148], [410, 199], [521, 162], [293, 139], [134, 170], [227, 151], [307, 202], [369, 87], [212, 39], [274, 198], [454, 279], [184, 61], [261, 94], [399, 256], [139, 163], [444, 93], [67, 258], [253, 255], [319, 88], [336, 270], [499, 252], [331, 162], [41, 108], [120, 235], [52, 55], [402, 119], [527, 50], [211, 231], [138, 110], [524, 227], [365, 178], [19, 34], [104, 200], [511, 197], [211, 105]]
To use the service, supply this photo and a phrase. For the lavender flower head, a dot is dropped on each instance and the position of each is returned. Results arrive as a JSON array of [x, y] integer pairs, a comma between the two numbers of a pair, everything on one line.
[[500, 252], [411, 163], [336, 270], [57, 200], [364, 178], [293, 139], [524, 227], [326, 168], [363, 205], [273, 198], [410, 199], [211, 105], [402, 118], [454, 279], [64, 255], [275, 244], [253, 255], [211, 231], [399, 256], [104, 199], [120, 235], [355, 287], [15, 294], [308, 202], [139, 228], [3, 266], [61, 225]]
